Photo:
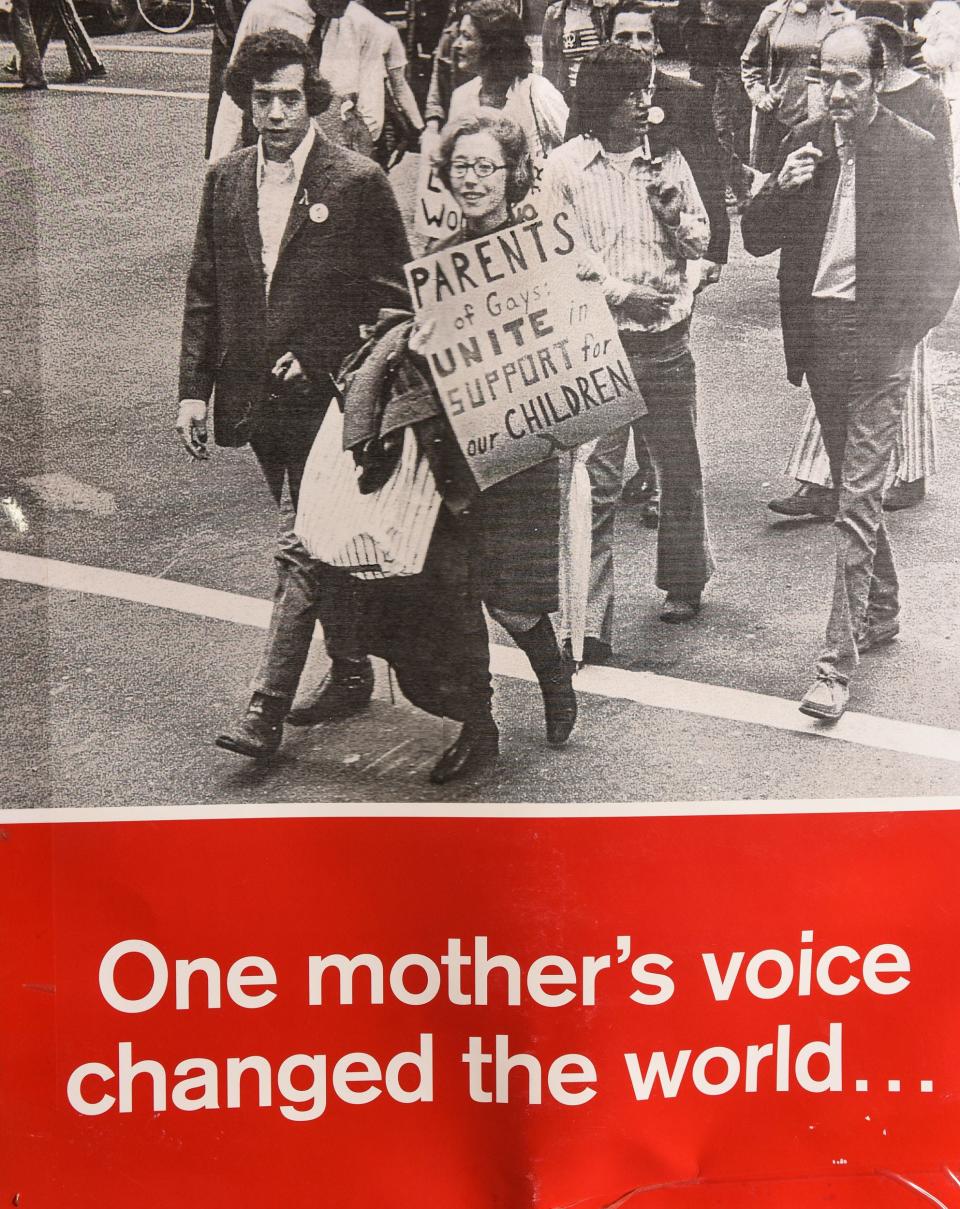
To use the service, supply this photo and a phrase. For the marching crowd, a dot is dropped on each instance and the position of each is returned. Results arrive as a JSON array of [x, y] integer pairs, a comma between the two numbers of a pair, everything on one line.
[[821, 123]]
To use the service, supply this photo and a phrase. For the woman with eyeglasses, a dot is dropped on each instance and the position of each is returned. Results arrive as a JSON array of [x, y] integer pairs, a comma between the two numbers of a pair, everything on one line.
[[509, 534], [490, 45]]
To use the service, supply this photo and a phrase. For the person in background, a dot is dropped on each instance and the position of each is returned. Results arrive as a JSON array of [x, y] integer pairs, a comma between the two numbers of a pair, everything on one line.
[[383, 74], [775, 69], [445, 76], [643, 221], [31, 28], [490, 42], [319, 23], [686, 124], [571, 28], [860, 206], [279, 284], [226, 22], [918, 100], [940, 27], [715, 34]]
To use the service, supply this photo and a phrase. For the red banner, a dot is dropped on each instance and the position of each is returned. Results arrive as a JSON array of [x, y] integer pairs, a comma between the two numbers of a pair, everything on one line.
[[480, 1012]]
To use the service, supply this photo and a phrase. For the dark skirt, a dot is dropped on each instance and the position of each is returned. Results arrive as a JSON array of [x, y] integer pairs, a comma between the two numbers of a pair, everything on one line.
[[514, 528]]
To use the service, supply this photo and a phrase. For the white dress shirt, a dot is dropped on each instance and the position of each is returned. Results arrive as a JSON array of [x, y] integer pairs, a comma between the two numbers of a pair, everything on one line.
[[277, 185]]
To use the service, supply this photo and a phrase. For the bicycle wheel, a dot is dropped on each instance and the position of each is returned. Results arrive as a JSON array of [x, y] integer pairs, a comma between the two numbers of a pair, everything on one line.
[[167, 16]]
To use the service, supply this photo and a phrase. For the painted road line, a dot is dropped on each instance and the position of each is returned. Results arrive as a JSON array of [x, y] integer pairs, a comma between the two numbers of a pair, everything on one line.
[[105, 91], [643, 688], [116, 49], [482, 810]]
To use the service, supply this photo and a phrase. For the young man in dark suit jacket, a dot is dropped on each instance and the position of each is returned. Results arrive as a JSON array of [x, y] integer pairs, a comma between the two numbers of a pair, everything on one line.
[[861, 208], [299, 242]]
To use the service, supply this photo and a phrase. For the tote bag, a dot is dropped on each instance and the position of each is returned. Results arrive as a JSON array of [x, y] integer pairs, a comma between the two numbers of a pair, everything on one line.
[[377, 536]]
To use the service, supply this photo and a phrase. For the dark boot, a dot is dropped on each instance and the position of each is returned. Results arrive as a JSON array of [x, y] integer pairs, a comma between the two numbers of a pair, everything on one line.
[[555, 674], [346, 689], [260, 731], [475, 749], [477, 746]]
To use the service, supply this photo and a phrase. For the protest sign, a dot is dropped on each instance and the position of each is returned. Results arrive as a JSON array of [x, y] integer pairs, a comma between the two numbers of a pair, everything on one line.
[[525, 356], [435, 213]]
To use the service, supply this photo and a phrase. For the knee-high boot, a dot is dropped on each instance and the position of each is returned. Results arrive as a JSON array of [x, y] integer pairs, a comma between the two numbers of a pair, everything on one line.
[[478, 744], [555, 674]]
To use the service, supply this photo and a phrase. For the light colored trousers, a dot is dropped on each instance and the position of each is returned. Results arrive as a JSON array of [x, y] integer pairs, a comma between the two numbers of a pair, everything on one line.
[[859, 408]]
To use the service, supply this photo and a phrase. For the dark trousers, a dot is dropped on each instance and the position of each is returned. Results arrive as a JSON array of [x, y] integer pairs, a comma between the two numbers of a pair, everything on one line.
[[665, 372], [61, 17], [25, 40], [730, 107], [306, 591], [859, 407]]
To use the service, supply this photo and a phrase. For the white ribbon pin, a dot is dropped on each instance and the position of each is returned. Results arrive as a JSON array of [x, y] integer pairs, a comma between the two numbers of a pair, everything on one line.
[[318, 212]]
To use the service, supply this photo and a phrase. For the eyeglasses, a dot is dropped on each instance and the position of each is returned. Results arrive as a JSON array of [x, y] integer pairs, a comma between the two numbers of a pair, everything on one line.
[[481, 168]]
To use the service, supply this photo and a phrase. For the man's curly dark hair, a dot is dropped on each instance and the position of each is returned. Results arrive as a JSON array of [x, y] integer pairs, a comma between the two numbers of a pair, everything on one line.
[[262, 55]]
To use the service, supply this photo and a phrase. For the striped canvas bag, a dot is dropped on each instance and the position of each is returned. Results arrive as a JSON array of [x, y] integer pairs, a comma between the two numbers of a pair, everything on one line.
[[377, 536]]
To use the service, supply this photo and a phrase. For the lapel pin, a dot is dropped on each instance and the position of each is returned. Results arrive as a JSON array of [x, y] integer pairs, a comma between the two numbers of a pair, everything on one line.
[[655, 115], [319, 212]]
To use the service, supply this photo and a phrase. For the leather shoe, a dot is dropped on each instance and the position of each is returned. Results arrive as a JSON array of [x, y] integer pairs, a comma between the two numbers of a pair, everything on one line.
[[904, 495], [346, 689], [809, 499], [260, 731], [877, 633], [476, 748], [825, 699], [639, 489], [677, 608]]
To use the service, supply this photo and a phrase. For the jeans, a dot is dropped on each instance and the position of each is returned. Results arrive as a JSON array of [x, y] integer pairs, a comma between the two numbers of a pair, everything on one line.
[[859, 407], [665, 373], [307, 591]]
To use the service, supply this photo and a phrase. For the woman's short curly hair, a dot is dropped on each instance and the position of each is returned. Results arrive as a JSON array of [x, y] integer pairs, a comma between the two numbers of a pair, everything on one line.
[[512, 141], [503, 53], [262, 55]]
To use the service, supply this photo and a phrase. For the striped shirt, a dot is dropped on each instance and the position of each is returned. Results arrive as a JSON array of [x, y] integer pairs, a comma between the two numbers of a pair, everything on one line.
[[629, 245]]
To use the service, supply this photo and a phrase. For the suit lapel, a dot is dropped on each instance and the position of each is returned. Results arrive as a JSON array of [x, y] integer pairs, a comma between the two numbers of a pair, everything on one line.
[[247, 214], [313, 184]]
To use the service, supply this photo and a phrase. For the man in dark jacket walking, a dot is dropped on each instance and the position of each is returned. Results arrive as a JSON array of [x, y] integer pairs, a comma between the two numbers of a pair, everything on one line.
[[860, 206], [299, 242]]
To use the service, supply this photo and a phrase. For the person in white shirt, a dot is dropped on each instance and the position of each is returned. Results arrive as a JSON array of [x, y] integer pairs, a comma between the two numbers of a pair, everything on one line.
[[644, 222], [491, 43], [319, 23]]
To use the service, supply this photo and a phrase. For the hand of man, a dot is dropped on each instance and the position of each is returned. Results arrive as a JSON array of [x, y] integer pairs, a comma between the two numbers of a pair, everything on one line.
[[645, 304], [289, 371], [799, 167], [666, 201], [192, 427], [766, 103]]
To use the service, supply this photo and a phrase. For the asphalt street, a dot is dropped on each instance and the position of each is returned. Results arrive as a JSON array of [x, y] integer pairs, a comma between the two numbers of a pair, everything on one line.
[[109, 700]]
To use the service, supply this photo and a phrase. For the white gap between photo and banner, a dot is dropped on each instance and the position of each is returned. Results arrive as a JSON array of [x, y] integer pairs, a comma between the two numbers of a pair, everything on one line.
[[642, 688]]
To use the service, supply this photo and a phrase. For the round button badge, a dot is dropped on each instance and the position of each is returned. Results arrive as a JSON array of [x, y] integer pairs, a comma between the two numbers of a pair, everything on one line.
[[318, 212]]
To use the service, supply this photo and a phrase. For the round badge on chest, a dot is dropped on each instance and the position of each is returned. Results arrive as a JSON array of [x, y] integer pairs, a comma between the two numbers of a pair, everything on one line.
[[655, 115], [318, 212]]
